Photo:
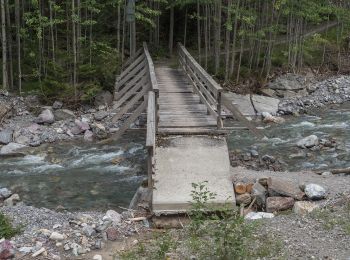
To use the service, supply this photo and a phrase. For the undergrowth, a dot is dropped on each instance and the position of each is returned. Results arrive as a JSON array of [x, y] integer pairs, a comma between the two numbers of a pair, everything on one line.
[[6, 229], [213, 233]]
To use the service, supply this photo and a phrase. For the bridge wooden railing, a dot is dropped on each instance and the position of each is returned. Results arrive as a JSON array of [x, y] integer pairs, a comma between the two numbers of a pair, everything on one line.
[[132, 89], [205, 86], [210, 92], [137, 89]]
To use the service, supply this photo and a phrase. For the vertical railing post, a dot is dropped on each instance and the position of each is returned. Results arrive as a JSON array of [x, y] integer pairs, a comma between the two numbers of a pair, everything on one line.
[[219, 119]]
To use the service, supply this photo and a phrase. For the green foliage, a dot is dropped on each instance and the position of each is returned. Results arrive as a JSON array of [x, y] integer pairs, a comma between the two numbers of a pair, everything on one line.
[[6, 229]]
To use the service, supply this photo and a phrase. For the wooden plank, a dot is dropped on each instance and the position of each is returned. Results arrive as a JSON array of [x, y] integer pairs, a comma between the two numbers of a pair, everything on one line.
[[130, 85], [132, 73], [132, 58], [130, 104], [239, 116], [129, 121], [151, 120], [130, 93], [152, 73], [127, 71]]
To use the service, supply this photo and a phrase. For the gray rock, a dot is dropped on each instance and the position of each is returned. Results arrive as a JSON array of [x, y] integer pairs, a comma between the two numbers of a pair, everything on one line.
[[265, 104], [315, 191], [288, 81], [5, 193], [64, 114], [254, 153], [308, 142], [104, 98], [45, 117], [100, 115], [11, 148], [114, 216], [88, 135], [259, 193], [82, 125], [6, 136], [57, 105], [22, 140], [89, 231], [11, 201], [25, 250], [56, 236], [304, 207]]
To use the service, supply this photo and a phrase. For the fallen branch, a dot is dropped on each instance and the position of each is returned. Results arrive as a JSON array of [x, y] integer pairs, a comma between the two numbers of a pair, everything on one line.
[[339, 171], [137, 219]]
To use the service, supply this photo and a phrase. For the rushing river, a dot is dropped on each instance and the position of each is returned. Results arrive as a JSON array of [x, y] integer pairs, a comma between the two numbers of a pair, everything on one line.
[[78, 175], [92, 176], [326, 123]]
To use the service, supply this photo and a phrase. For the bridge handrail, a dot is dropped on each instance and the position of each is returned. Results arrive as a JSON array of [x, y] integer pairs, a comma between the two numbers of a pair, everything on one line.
[[151, 70], [206, 87]]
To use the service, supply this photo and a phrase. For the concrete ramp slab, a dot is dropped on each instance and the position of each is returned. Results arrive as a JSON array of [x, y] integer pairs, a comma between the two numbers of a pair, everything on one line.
[[181, 161]]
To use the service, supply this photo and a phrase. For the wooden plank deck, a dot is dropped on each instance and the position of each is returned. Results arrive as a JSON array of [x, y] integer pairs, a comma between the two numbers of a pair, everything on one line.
[[179, 106]]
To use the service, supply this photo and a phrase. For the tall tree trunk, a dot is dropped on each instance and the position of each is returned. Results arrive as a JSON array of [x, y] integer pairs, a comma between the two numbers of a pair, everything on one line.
[[171, 31], [227, 44], [217, 40], [74, 46], [4, 46], [185, 28], [52, 31], [199, 32], [18, 40], [9, 41]]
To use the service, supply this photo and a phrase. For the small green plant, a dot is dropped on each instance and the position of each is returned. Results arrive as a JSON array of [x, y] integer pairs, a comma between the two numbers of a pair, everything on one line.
[[6, 229]]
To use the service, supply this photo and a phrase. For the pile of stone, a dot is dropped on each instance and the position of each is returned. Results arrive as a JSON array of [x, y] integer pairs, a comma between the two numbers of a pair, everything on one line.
[[254, 161], [72, 235], [312, 142], [264, 197], [334, 90]]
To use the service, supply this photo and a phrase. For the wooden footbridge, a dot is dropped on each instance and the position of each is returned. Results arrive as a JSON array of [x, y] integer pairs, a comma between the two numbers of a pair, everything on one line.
[[184, 127]]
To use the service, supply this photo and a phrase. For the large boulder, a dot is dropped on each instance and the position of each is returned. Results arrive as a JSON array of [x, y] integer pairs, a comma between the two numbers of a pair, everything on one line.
[[308, 142], [304, 207], [11, 148], [288, 81], [63, 114], [45, 117], [280, 187], [275, 204], [104, 98], [259, 193], [6, 136]]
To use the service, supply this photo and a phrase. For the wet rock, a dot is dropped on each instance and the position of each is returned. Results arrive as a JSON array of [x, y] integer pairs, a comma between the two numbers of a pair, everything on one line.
[[113, 216], [7, 250], [258, 215], [46, 117], [88, 135], [275, 204], [268, 118], [22, 140], [308, 142], [112, 234], [6, 136], [104, 98], [259, 193], [254, 153], [99, 130], [12, 200], [100, 115], [304, 207], [64, 114], [5, 193], [279, 187], [56, 236], [11, 148], [315, 191], [243, 199], [268, 158]]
